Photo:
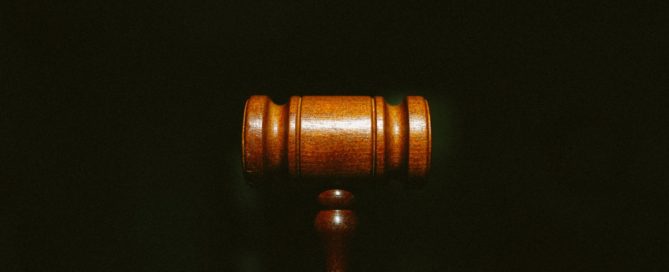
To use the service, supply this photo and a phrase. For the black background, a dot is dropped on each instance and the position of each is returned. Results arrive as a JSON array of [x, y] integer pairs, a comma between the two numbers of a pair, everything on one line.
[[122, 123]]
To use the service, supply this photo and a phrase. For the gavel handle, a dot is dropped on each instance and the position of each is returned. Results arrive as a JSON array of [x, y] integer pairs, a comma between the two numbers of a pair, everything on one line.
[[336, 227]]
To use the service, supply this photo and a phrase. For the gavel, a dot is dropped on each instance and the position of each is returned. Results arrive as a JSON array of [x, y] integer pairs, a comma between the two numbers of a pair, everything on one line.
[[336, 143]]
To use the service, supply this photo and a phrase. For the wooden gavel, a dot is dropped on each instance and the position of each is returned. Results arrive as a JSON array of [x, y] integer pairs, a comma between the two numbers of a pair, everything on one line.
[[336, 142]]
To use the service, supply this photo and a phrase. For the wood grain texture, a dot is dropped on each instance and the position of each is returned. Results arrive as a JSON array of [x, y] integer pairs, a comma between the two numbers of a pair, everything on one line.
[[336, 138]]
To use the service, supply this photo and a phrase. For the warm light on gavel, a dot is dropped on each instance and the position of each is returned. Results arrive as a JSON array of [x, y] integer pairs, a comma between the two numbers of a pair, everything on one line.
[[333, 142], [342, 138]]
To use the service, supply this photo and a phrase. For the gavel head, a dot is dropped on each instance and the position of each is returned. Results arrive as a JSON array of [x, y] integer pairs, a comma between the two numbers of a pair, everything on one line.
[[336, 139]]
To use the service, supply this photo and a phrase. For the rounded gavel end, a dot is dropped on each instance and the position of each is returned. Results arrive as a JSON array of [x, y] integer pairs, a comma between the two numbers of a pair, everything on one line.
[[336, 139]]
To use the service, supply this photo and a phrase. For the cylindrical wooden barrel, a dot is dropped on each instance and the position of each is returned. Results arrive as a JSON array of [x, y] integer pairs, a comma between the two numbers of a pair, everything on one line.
[[336, 138]]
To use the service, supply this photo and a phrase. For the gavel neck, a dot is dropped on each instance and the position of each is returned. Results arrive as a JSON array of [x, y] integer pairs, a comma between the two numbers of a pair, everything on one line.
[[336, 225]]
